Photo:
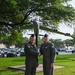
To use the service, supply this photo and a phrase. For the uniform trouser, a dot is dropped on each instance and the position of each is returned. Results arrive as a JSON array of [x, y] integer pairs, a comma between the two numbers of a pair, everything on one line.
[[47, 70], [30, 69]]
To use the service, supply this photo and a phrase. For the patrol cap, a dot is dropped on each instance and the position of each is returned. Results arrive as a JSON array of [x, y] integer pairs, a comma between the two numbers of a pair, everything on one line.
[[32, 35], [46, 35]]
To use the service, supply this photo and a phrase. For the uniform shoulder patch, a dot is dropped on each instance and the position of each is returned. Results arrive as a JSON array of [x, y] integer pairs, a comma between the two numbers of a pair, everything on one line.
[[28, 46], [52, 45]]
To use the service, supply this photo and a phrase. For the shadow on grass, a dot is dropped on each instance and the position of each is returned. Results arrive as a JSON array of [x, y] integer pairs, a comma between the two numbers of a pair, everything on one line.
[[3, 70], [6, 70], [11, 72]]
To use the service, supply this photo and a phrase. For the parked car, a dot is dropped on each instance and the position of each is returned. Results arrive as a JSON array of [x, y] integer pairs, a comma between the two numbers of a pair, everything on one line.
[[22, 52], [1, 53], [73, 51], [56, 52], [58, 49], [6, 50], [12, 53], [17, 51], [68, 50], [61, 49]]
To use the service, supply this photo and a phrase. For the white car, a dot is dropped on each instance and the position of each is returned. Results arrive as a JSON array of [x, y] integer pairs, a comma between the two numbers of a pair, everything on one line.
[[1, 53], [68, 50]]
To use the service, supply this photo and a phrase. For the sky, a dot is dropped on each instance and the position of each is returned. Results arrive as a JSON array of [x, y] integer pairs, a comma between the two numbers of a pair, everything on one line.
[[73, 3], [62, 28]]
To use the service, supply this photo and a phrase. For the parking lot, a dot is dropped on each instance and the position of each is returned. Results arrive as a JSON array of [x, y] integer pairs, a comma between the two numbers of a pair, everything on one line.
[[17, 52], [11, 52]]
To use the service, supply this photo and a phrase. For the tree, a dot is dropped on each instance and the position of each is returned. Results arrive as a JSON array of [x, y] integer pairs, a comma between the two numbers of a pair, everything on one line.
[[21, 42], [15, 14], [16, 38], [40, 41], [69, 42], [57, 42]]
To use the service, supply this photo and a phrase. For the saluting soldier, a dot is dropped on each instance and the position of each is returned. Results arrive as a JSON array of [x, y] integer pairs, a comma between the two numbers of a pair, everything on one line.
[[47, 49], [31, 56]]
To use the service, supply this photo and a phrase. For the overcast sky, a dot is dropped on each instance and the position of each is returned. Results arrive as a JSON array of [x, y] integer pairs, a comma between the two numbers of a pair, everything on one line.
[[64, 28], [73, 3]]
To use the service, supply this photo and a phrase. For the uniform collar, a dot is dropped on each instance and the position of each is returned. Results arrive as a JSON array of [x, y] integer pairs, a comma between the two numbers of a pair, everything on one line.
[[46, 43], [30, 43]]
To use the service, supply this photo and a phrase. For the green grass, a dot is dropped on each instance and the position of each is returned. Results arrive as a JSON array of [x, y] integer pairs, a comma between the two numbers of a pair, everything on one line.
[[6, 62], [68, 61]]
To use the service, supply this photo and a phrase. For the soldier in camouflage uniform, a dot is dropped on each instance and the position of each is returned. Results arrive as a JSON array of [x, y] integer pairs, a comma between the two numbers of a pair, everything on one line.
[[47, 49], [31, 56]]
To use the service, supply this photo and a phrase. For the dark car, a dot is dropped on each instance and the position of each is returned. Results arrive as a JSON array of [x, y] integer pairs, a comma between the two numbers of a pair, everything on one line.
[[58, 49], [6, 50], [73, 51], [56, 52], [11, 53], [61, 49]]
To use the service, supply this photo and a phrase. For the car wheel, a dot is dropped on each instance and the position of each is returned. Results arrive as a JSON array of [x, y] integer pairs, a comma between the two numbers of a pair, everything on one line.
[[5, 55], [18, 54]]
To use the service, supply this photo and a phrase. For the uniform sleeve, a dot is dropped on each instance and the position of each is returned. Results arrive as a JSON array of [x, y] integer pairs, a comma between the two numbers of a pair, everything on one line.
[[24, 48], [52, 53], [29, 50], [41, 50]]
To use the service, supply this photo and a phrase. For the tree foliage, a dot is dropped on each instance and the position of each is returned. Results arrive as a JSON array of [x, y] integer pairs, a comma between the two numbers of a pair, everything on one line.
[[15, 38], [69, 42], [60, 43], [57, 42], [21, 42], [15, 14]]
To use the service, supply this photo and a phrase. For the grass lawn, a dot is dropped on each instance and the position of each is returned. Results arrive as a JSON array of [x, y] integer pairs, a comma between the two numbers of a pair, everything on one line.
[[68, 61]]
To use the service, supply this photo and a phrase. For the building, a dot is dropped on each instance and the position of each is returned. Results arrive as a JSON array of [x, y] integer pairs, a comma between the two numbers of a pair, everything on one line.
[[3, 46]]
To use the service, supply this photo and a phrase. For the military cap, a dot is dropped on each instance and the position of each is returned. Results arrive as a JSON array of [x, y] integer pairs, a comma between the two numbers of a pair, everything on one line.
[[46, 35], [32, 35]]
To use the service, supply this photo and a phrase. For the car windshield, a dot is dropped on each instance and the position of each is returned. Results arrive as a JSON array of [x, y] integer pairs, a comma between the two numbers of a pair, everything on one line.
[[12, 51]]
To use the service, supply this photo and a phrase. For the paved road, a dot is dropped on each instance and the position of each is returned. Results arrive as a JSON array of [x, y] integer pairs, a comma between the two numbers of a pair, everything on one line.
[[61, 53]]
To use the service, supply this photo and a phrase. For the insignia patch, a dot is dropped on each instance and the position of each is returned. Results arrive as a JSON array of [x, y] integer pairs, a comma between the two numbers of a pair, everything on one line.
[[46, 47], [28, 46], [52, 46]]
